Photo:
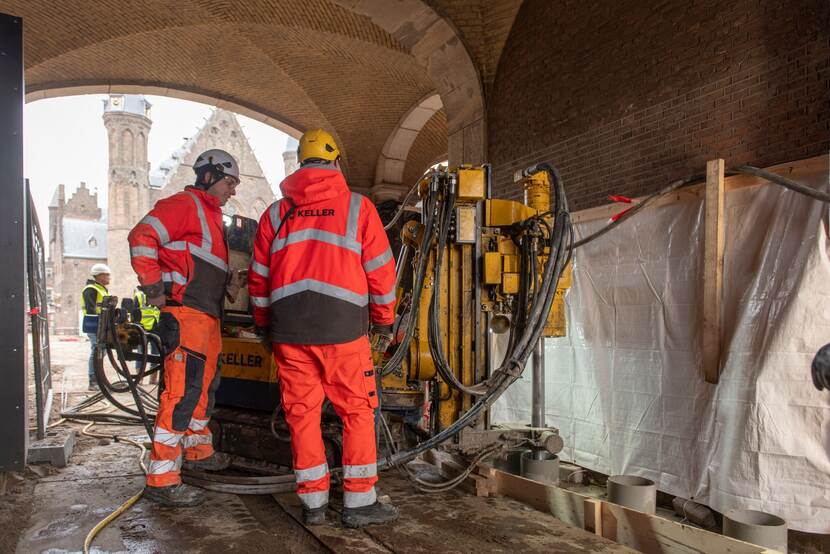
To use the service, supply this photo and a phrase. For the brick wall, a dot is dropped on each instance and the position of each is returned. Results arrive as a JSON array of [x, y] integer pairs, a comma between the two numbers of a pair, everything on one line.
[[624, 97]]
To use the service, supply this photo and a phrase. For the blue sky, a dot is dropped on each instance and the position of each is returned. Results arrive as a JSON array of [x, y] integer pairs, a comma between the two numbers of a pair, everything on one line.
[[65, 142]]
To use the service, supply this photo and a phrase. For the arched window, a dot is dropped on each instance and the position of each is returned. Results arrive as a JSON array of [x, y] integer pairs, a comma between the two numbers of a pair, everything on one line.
[[232, 208], [127, 147], [141, 154], [257, 208]]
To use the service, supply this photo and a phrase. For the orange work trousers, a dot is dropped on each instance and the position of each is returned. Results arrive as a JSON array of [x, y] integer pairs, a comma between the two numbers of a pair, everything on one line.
[[344, 373], [192, 342]]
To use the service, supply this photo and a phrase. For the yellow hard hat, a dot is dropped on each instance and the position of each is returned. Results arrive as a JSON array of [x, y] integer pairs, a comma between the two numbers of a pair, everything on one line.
[[317, 144]]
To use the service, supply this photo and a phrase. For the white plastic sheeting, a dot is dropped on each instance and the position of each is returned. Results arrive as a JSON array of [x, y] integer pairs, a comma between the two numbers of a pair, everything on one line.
[[626, 388]]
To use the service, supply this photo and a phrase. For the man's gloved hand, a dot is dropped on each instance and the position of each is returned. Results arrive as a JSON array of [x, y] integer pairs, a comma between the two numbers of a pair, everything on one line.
[[235, 282], [155, 294], [264, 336], [380, 336], [821, 368], [157, 301]]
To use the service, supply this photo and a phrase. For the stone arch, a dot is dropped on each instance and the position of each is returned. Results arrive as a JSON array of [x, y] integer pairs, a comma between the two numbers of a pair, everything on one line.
[[392, 159], [258, 206], [233, 208], [438, 46]]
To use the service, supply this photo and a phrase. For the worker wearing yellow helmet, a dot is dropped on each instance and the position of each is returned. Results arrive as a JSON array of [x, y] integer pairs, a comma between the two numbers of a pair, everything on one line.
[[317, 148], [322, 271]]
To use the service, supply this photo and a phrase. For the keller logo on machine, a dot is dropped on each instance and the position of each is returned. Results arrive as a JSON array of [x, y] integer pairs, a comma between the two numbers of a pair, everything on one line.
[[246, 359], [240, 359]]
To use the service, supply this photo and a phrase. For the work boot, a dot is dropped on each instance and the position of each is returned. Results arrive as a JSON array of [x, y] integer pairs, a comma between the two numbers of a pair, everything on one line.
[[368, 515], [315, 516], [178, 496], [215, 462], [93, 385]]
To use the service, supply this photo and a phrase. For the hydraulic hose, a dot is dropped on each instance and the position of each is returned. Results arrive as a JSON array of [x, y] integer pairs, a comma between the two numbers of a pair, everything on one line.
[[512, 367], [417, 287], [133, 384], [107, 389], [434, 339]]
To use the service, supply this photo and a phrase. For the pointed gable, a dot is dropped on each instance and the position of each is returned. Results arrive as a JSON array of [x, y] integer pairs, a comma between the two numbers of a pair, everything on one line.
[[220, 130]]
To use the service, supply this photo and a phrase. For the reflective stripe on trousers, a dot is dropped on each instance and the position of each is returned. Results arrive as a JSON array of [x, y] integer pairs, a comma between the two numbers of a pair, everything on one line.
[[359, 499], [314, 499], [183, 414], [343, 373]]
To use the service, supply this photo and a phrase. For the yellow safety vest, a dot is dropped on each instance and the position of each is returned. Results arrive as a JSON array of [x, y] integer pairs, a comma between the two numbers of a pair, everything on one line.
[[99, 298], [149, 314]]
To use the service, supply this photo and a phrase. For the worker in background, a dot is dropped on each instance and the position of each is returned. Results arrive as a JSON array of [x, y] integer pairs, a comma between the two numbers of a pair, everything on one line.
[[179, 253], [322, 270], [93, 295], [149, 319]]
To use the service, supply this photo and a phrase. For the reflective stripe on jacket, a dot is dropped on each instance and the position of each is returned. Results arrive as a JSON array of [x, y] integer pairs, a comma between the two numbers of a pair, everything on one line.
[[329, 271], [149, 314], [100, 293], [181, 243]]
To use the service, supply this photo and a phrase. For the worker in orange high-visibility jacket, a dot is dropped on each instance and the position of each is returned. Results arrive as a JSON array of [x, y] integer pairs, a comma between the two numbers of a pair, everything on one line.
[[322, 271], [179, 253]]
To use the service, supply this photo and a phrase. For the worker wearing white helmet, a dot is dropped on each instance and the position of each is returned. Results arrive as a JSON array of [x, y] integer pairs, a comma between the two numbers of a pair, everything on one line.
[[93, 295], [180, 256]]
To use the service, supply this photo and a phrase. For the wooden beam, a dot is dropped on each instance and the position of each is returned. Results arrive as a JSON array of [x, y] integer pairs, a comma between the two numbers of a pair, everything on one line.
[[638, 530], [713, 242], [593, 516]]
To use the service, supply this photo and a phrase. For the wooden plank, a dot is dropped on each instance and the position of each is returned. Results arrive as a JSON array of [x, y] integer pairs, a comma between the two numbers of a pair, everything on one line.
[[644, 532], [456, 523], [593, 516], [335, 537], [563, 504], [713, 242]]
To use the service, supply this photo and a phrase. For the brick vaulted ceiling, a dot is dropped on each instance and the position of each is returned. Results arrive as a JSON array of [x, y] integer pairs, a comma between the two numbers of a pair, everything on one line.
[[356, 67]]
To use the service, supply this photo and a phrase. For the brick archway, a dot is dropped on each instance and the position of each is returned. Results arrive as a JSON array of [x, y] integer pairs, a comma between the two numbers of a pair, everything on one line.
[[438, 46], [354, 67], [389, 177]]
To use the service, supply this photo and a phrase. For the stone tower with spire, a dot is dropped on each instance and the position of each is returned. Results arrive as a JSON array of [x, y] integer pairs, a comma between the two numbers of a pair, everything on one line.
[[127, 120]]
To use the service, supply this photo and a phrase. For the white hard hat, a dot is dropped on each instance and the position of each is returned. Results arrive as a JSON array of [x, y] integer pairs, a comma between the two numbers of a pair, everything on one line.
[[217, 161], [98, 269]]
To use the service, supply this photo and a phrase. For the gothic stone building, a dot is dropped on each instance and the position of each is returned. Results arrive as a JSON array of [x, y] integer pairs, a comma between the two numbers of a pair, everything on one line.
[[80, 236], [77, 240]]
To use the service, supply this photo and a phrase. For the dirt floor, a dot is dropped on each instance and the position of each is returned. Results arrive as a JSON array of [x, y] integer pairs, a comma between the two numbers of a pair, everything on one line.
[[51, 510]]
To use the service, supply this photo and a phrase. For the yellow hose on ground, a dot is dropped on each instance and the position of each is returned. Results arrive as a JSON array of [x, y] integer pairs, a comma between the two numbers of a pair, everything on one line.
[[106, 521], [126, 505]]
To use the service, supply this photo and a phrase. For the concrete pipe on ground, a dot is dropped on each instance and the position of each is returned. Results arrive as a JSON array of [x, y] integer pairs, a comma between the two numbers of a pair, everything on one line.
[[540, 465], [756, 527], [511, 462], [633, 492]]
